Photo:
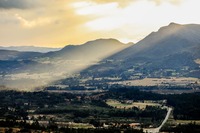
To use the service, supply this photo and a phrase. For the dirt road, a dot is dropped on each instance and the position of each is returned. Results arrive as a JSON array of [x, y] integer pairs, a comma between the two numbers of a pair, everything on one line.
[[156, 130]]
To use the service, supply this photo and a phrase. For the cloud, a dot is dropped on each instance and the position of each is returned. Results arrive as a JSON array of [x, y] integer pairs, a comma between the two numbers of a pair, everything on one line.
[[123, 3], [17, 4], [51, 23], [174, 2], [59, 22], [26, 4], [33, 23]]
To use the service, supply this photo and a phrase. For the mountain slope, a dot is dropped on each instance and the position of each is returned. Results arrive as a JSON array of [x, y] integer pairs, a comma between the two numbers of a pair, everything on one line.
[[32, 69], [92, 50], [172, 47], [166, 41]]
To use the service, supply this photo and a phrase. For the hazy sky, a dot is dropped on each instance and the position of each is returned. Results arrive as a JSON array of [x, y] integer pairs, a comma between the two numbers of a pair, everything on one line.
[[56, 23]]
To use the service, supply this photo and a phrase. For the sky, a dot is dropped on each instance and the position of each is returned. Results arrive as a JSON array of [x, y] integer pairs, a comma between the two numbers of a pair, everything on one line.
[[57, 23]]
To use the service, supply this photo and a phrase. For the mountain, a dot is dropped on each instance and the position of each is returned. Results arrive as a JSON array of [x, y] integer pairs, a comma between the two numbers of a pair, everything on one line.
[[92, 50], [166, 41], [89, 52], [30, 49], [172, 50], [33, 69]]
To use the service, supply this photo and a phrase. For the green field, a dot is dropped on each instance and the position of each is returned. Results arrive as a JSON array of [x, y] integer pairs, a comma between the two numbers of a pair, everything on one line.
[[140, 105], [182, 122]]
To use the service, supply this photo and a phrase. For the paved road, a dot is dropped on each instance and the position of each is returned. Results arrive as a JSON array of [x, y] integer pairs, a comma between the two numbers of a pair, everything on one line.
[[156, 130]]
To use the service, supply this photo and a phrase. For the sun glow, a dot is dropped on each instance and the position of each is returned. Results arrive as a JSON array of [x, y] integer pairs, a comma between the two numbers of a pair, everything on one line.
[[78, 21]]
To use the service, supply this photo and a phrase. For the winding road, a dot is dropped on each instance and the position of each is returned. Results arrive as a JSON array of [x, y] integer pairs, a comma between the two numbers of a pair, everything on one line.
[[156, 130]]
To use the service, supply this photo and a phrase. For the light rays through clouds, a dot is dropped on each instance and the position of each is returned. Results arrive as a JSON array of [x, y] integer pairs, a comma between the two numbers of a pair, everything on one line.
[[56, 23]]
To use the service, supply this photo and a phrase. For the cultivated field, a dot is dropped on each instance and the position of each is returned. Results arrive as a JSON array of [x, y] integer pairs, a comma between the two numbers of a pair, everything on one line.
[[171, 121], [129, 104], [160, 82]]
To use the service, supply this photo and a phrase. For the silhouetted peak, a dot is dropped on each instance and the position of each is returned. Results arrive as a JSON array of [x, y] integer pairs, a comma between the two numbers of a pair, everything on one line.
[[130, 43], [171, 28], [174, 24], [103, 41], [98, 42]]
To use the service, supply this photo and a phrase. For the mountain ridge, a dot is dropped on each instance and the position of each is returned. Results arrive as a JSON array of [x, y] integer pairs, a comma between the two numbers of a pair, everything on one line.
[[99, 47], [173, 47]]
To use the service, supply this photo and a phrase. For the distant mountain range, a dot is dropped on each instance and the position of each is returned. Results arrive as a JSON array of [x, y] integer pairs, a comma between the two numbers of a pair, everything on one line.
[[92, 50], [168, 40], [32, 69], [96, 49], [172, 50], [30, 49]]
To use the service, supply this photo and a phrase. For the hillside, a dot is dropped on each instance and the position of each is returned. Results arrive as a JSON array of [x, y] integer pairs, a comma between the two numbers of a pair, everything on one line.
[[172, 50], [92, 50], [38, 69]]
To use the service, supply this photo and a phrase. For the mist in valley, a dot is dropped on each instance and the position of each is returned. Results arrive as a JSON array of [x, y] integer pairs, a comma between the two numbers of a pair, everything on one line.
[[53, 66]]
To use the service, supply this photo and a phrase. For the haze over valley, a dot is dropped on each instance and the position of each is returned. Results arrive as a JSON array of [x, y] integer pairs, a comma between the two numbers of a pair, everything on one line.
[[39, 69]]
